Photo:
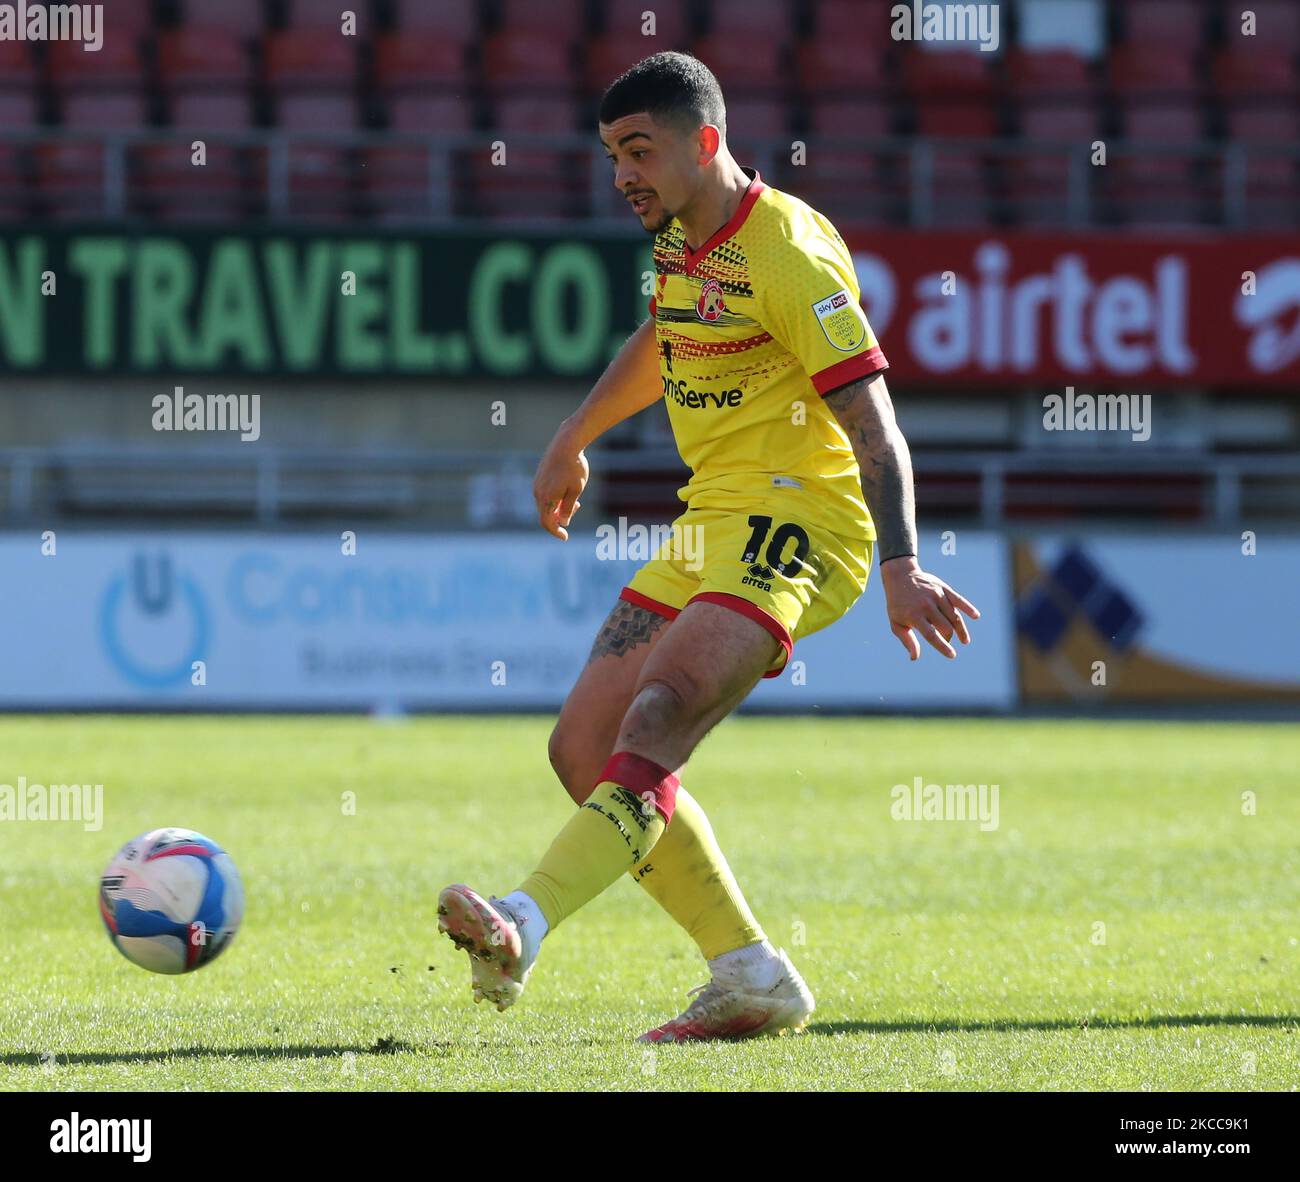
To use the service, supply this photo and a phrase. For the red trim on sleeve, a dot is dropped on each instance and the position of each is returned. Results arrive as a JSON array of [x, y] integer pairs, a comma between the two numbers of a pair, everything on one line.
[[851, 370], [651, 605], [757, 614]]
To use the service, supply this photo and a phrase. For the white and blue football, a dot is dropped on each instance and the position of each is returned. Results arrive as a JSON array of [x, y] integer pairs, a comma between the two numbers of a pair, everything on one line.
[[172, 900]]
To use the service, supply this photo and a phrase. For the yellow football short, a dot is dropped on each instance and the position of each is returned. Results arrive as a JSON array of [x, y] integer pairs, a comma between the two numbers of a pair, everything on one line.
[[790, 576]]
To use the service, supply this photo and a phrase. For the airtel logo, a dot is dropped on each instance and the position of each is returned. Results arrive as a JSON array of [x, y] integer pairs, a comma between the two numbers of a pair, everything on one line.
[[1126, 324]]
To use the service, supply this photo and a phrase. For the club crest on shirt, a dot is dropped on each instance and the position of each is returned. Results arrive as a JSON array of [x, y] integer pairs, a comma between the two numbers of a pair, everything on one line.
[[710, 305], [841, 318]]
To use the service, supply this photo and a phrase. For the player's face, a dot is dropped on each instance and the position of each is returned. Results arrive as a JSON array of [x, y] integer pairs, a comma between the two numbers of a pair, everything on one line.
[[655, 167]]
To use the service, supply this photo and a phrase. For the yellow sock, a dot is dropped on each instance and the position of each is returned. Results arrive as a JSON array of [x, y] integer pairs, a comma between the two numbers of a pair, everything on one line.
[[613, 831], [690, 879]]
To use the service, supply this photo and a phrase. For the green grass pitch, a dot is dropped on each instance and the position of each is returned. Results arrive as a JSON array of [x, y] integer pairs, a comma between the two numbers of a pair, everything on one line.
[[942, 957]]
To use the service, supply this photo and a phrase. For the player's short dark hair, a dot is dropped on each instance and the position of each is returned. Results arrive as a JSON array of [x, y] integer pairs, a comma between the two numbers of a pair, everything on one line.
[[673, 88]]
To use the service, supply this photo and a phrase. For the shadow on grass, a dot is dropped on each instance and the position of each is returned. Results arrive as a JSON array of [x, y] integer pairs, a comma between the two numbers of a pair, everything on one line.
[[1093, 1022], [96, 1058]]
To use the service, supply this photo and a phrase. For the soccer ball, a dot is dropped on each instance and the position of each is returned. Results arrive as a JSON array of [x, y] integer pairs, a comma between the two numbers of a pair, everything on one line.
[[172, 900]]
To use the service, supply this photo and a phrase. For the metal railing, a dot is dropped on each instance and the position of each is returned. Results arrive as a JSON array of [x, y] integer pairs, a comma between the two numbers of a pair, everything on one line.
[[917, 181], [492, 489]]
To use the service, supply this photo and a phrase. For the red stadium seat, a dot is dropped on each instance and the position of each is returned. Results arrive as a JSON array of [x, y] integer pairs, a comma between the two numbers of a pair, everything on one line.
[[956, 120], [1163, 124], [315, 57], [423, 112], [419, 58], [845, 185], [559, 20], [850, 20], [672, 25], [18, 108], [240, 18], [193, 56], [848, 66], [71, 178], [305, 14], [107, 110], [168, 184], [609, 55], [1277, 24], [453, 20], [1255, 72], [1034, 75], [17, 66], [511, 59], [1071, 124], [211, 110], [396, 183], [1151, 70], [1178, 23], [950, 74], [863, 118], [1264, 123], [116, 64], [755, 117], [320, 183], [536, 114], [743, 63], [127, 18], [537, 184], [750, 18], [317, 112]]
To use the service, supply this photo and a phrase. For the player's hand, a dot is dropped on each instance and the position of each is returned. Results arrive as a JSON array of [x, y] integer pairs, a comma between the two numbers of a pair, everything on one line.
[[561, 477], [916, 600]]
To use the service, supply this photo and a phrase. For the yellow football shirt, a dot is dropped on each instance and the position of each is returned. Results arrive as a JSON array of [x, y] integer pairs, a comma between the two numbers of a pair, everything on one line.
[[752, 329]]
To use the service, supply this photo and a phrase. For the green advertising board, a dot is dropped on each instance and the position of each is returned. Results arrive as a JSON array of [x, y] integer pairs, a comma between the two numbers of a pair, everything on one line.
[[317, 304]]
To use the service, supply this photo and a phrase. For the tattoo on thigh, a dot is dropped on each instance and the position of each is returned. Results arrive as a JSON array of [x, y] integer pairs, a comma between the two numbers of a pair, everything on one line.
[[626, 627]]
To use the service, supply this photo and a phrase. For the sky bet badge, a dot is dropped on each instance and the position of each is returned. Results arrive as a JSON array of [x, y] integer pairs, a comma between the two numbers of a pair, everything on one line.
[[842, 321]]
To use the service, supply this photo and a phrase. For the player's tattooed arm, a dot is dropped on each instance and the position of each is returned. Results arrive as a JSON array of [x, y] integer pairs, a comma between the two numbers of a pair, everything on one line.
[[917, 602], [866, 413], [626, 627]]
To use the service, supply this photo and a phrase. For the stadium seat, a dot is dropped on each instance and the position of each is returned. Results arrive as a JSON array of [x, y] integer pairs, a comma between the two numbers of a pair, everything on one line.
[[756, 117], [453, 20], [117, 64], [744, 63], [1145, 71], [194, 56], [17, 66], [320, 185], [18, 108], [846, 185], [418, 59], [240, 18], [1265, 123], [1053, 74], [422, 112], [559, 20], [395, 182], [1255, 73], [860, 117], [328, 14], [71, 179], [1070, 124], [537, 185], [607, 55], [672, 25], [511, 59], [166, 183], [836, 21], [104, 110], [1277, 23], [956, 120], [751, 18], [852, 65], [1179, 23], [14, 195], [211, 110], [957, 74], [317, 112], [127, 18], [536, 114], [317, 57]]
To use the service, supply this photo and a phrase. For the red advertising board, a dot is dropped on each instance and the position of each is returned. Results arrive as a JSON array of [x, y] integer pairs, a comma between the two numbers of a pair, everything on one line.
[[992, 309]]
